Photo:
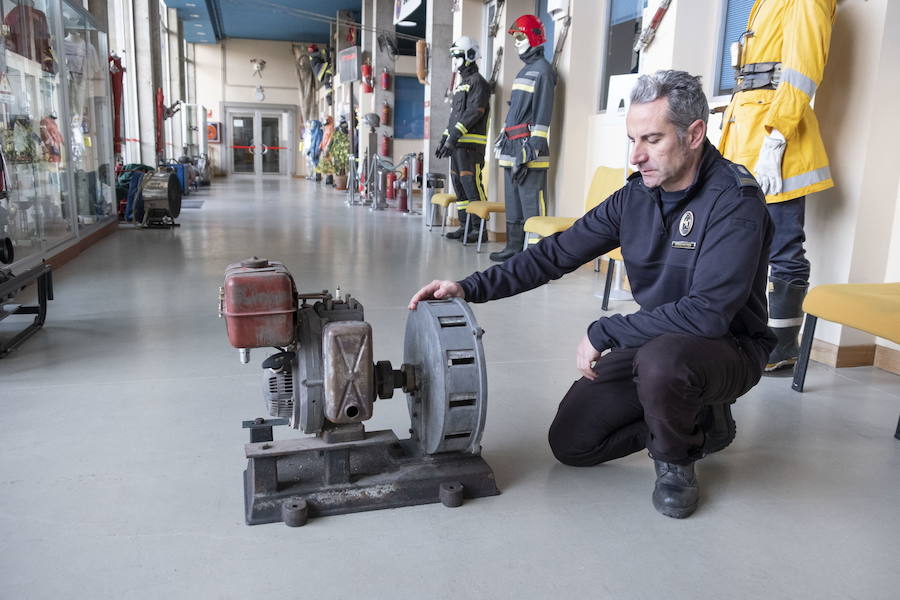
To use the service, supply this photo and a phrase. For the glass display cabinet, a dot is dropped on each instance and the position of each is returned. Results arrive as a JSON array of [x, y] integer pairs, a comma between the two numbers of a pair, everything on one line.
[[55, 125]]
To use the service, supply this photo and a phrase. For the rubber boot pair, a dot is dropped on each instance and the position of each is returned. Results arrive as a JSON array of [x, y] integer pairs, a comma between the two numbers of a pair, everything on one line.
[[785, 319], [515, 239], [474, 226]]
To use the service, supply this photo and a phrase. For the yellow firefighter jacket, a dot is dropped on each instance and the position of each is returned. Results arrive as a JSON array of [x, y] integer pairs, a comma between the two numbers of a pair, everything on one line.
[[795, 33]]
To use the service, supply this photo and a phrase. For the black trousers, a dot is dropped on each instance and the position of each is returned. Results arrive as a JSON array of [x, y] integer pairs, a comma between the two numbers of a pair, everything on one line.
[[466, 165], [651, 397]]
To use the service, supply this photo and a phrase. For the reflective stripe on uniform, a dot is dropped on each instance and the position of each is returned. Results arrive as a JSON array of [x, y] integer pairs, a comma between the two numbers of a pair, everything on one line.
[[463, 87], [461, 128], [538, 164], [524, 84], [804, 179], [782, 323], [472, 138], [540, 131], [799, 81], [543, 205], [478, 185]]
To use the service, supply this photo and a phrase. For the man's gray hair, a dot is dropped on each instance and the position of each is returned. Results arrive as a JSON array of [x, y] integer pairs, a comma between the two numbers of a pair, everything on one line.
[[687, 102]]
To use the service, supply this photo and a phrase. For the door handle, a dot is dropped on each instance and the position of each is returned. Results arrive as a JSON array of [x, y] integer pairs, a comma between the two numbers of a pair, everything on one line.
[[265, 149]]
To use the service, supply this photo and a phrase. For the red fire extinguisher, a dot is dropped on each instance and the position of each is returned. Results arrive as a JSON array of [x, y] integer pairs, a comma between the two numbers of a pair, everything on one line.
[[385, 113], [384, 146], [402, 200], [366, 70], [391, 178], [385, 80]]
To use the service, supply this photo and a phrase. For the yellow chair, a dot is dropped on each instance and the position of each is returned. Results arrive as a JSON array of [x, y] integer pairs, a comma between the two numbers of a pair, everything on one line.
[[444, 201], [870, 307], [606, 181]]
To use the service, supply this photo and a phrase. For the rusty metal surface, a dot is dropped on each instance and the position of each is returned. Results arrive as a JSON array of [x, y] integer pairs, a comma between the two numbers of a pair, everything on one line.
[[349, 382], [259, 305]]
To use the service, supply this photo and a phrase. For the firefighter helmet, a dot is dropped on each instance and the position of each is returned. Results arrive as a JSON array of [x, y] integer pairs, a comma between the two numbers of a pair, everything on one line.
[[532, 27], [466, 48]]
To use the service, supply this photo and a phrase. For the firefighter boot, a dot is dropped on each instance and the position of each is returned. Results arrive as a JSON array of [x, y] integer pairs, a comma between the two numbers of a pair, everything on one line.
[[718, 427], [515, 238], [457, 235], [474, 226], [676, 493], [785, 319]]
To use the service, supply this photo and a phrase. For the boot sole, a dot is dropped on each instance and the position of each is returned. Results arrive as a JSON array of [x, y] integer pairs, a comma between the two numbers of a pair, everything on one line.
[[781, 364], [677, 513]]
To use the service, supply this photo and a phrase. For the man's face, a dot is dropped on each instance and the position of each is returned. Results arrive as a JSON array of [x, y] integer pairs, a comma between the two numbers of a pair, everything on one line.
[[662, 158]]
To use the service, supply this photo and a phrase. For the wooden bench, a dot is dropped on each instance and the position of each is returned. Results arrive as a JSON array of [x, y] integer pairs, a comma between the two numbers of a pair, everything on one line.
[[870, 307]]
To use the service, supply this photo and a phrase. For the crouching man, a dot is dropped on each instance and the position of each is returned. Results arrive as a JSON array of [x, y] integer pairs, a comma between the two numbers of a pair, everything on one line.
[[695, 237]]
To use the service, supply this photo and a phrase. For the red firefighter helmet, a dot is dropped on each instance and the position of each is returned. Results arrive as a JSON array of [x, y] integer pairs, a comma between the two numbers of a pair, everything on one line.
[[312, 48], [532, 27]]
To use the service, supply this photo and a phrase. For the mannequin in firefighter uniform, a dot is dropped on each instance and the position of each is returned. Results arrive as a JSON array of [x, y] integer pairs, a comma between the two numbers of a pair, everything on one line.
[[522, 149], [771, 129], [466, 134]]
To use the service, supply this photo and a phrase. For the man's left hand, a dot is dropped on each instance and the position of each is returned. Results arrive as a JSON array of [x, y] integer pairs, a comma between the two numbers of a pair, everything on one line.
[[585, 357]]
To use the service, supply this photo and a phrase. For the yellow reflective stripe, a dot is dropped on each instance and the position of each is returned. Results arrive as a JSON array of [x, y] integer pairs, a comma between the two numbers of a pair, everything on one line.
[[523, 87], [478, 185], [462, 88], [473, 138], [540, 134], [445, 132], [505, 163], [461, 205], [461, 128], [543, 205], [538, 164]]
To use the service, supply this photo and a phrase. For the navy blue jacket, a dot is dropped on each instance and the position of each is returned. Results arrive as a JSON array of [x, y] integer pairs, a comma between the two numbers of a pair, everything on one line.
[[707, 279]]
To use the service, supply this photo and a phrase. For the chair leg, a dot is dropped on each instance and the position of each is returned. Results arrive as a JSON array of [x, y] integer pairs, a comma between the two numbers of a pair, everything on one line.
[[809, 327], [465, 239], [431, 220], [897, 433], [597, 265], [607, 288], [481, 229], [444, 219], [525, 244]]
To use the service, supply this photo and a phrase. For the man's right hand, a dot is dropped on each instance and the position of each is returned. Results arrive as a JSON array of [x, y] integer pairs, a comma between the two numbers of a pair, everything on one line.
[[439, 152], [437, 290]]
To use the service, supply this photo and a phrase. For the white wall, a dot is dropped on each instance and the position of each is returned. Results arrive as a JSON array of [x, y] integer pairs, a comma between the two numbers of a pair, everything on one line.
[[225, 74]]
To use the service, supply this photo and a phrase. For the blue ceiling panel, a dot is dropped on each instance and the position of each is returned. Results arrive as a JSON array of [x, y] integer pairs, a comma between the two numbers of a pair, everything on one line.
[[287, 20], [199, 25]]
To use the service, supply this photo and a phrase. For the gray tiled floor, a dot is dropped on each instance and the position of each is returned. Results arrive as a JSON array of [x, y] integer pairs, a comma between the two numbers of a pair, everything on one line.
[[120, 475]]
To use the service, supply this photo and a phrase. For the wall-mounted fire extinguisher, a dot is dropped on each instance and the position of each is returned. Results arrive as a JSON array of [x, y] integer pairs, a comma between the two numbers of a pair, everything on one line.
[[366, 70], [384, 146], [385, 80], [385, 113]]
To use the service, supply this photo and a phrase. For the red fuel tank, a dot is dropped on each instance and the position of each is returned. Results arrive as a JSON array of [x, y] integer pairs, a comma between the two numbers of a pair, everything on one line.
[[259, 303]]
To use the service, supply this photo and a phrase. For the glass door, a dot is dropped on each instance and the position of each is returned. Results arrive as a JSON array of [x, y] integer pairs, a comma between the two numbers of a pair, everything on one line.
[[257, 143], [270, 135], [243, 146]]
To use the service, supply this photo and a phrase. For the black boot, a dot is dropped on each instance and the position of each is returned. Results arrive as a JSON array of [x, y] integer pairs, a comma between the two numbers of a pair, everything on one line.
[[676, 493], [474, 226], [515, 238], [718, 426], [457, 235], [785, 319]]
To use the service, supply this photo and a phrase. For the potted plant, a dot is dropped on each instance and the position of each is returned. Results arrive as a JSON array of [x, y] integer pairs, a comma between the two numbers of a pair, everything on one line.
[[336, 158]]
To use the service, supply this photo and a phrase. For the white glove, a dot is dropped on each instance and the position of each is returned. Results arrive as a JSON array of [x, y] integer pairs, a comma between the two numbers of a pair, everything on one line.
[[768, 165]]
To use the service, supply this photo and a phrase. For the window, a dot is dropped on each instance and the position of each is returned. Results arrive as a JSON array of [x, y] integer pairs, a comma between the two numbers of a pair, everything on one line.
[[624, 29], [737, 12], [549, 31]]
